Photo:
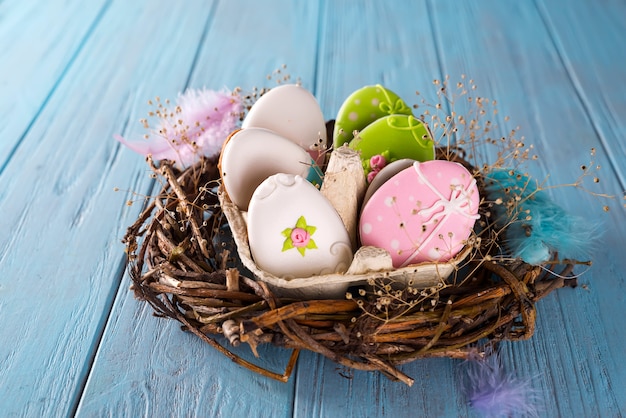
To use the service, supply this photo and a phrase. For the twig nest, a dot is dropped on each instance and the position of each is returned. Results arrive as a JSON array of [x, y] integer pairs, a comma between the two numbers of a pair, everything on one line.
[[384, 312]]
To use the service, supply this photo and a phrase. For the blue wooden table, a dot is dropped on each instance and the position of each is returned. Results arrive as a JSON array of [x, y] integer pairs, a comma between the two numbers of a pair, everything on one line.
[[73, 73]]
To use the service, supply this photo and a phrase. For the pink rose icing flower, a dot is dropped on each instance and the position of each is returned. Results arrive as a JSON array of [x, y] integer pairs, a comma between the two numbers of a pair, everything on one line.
[[371, 175], [299, 237], [196, 126], [377, 162]]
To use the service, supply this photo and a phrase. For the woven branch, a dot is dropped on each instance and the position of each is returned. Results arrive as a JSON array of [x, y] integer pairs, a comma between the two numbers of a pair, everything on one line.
[[187, 270]]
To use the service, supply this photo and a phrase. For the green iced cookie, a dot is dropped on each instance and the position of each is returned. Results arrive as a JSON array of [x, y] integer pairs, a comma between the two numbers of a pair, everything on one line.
[[393, 138], [363, 107]]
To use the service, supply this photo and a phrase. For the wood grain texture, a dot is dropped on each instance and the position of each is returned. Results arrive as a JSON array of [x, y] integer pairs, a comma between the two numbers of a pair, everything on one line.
[[74, 339], [571, 350], [62, 210], [42, 41]]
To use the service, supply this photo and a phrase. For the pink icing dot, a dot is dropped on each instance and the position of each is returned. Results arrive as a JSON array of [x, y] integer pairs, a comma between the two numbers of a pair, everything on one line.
[[300, 237]]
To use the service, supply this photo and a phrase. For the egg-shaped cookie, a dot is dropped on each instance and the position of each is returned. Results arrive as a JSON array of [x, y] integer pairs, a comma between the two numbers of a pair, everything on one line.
[[387, 172], [293, 112], [363, 107], [251, 155], [393, 138], [425, 213], [294, 231]]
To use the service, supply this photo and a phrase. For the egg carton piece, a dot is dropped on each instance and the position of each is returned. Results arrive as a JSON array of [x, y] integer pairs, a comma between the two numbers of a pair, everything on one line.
[[368, 263]]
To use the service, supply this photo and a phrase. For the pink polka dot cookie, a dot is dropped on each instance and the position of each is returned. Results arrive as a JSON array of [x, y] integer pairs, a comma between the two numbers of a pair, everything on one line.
[[425, 213]]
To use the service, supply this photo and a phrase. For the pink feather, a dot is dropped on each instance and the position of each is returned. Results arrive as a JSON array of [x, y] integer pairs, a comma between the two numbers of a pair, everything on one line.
[[202, 121]]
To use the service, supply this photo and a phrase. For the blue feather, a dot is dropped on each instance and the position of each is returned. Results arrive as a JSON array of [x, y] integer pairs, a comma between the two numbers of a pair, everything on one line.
[[538, 227]]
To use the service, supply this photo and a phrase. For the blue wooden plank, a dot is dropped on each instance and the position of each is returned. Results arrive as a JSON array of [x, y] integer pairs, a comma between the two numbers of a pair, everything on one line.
[[40, 42], [149, 366], [61, 261], [505, 47], [594, 60], [599, 81], [321, 375], [519, 64]]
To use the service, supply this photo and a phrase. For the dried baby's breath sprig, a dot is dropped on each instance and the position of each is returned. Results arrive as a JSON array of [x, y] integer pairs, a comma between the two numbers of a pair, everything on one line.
[[459, 120], [196, 124], [588, 171], [471, 131], [463, 127], [385, 299], [279, 76], [135, 196]]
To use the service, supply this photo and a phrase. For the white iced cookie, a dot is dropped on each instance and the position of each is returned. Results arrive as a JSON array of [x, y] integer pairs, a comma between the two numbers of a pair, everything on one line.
[[294, 231], [293, 112], [251, 155]]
